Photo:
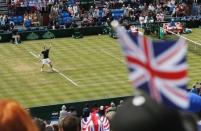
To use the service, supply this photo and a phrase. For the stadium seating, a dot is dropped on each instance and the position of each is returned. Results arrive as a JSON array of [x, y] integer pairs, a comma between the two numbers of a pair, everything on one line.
[[27, 23], [64, 18], [15, 20], [117, 13], [18, 20], [100, 13]]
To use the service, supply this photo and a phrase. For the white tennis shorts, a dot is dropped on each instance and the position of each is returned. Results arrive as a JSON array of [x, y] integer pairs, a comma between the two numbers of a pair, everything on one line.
[[46, 61]]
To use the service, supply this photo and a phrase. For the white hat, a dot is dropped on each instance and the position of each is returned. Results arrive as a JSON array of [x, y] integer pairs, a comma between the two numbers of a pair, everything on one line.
[[63, 107], [101, 108]]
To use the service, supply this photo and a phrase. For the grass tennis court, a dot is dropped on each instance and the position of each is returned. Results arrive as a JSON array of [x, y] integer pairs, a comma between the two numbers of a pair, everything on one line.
[[89, 68], [93, 63]]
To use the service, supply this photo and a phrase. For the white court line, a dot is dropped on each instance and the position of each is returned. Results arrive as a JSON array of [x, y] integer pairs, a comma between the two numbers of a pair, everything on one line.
[[57, 71], [112, 56], [34, 54], [65, 77], [184, 37]]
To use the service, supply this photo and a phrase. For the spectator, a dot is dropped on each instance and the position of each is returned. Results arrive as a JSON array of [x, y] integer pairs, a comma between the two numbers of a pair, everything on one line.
[[195, 90], [96, 13], [120, 103], [70, 123], [13, 117], [112, 107], [95, 122], [141, 19], [63, 113], [85, 112], [56, 127], [49, 128], [91, 10], [70, 10], [76, 11], [151, 7], [111, 111], [40, 124], [101, 111], [95, 108], [72, 111]]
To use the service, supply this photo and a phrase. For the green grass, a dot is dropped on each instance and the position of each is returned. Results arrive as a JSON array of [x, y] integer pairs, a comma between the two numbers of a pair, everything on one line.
[[85, 61], [194, 55], [94, 63]]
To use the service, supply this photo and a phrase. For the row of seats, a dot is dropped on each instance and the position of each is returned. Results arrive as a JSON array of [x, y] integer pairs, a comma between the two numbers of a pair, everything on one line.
[[117, 10], [27, 23], [64, 14], [117, 13], [64, 18], [17, 19]]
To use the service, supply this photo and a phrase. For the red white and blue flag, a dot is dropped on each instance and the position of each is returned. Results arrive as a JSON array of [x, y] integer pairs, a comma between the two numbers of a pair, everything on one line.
[[95, 123], [158, 67]]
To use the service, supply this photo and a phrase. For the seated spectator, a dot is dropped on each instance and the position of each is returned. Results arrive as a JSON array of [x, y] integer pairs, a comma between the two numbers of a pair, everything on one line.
[[143, 114], [141, 19], [160, 17], [15, 37], [176, 27], [96, 13], [56, 127], [35, 19], [151, 7], [134, 30], [94, 108], [70, 123], [11, 25], [27, 21], [194, 90], [87, 20], [40, 124], [63, 113], [120, 103], [112, 107], [49, 128], [179, 27], [101, 111], [171, 26], [110, 112], [13, 117], [72, 111], [95, 122]]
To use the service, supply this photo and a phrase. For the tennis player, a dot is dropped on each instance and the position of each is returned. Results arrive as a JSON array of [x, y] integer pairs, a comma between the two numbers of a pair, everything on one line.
[[45, 57]]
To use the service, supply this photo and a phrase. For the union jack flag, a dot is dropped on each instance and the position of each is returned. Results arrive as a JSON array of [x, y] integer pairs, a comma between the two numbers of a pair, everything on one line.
[[95, 123], [158, 67]]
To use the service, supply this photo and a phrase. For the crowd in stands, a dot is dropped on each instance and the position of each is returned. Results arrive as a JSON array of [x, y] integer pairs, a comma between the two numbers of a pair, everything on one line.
[[64, 14], [139, 113]]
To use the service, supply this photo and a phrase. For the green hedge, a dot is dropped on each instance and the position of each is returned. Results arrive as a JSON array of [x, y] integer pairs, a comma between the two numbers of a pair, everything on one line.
[[47, 34]]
